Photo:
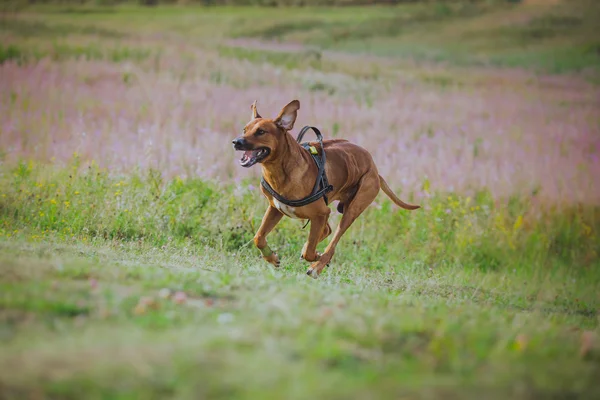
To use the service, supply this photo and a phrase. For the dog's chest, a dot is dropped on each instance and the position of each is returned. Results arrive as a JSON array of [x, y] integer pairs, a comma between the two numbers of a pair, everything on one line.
[[287, 210]]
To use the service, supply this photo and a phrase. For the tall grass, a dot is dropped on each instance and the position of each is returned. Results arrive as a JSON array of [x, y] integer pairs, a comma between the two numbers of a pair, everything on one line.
[[452, 231], [504, 137]]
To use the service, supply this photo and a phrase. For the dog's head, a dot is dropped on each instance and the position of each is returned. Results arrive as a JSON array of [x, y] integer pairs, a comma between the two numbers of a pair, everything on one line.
[[262, 135]]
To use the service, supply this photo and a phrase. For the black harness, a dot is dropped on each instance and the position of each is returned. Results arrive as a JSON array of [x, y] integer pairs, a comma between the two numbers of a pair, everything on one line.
[[322, 186]]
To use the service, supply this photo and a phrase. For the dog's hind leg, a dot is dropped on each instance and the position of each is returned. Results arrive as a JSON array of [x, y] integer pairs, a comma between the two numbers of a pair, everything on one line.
[[368, 188], [270, 219]]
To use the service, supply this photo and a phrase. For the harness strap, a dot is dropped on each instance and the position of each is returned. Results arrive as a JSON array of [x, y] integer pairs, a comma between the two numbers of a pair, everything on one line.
[[321, 181]]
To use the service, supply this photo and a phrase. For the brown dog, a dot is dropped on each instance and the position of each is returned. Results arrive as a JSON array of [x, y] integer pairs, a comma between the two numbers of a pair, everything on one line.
[[290, 170]]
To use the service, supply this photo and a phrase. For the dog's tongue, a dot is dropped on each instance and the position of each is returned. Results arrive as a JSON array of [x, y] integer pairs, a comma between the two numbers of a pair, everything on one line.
[[247, 156]]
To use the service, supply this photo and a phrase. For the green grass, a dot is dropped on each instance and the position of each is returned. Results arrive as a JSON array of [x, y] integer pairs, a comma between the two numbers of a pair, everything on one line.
[[464, 297], [39, 29], [61, 52], [559, 38], [289, 60]]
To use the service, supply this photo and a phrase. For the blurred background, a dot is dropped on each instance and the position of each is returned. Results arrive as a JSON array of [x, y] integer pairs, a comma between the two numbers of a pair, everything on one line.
[[466, 94]]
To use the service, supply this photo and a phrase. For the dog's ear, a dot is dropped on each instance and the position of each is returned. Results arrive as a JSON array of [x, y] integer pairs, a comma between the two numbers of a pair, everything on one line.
[[255, 113], [287, 116]]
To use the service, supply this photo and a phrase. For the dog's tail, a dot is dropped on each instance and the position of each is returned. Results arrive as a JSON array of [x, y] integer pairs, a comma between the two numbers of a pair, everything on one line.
[[395, 199]]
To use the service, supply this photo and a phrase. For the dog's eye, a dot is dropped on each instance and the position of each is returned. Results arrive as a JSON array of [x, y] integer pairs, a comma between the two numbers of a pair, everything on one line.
[[260, 132]]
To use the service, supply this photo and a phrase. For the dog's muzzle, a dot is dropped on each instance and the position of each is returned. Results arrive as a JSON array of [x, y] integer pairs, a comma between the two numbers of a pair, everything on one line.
[[240, 144], [251, 155]]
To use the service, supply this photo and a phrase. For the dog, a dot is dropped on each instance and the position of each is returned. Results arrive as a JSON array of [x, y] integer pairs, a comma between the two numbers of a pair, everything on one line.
[[289, 169]]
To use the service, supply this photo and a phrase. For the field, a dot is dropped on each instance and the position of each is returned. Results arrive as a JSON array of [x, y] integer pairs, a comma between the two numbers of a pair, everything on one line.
[[127, 268]]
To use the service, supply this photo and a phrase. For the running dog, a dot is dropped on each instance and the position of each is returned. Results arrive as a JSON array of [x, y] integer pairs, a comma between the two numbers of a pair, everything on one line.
[[289, 173]]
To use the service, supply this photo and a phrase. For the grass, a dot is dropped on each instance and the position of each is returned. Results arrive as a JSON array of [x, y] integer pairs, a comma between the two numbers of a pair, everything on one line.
[[73, 324], [470, 295], [60, 52], [127, 268], [553, 37]]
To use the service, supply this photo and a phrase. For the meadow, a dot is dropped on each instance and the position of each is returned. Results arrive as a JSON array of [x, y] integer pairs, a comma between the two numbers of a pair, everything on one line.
[[127, 268]]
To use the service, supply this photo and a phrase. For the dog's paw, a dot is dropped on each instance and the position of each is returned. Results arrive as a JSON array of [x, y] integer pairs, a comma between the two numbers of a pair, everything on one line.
[[317, 267], [273, 259], [312, 273]]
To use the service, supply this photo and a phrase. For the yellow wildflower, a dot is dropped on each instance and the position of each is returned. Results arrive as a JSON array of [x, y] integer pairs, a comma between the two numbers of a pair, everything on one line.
[[518, 222], [521, 342]]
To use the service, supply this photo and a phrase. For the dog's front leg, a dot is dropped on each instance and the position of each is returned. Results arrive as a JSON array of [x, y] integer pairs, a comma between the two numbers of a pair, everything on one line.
[[270, 219], [318, 227]]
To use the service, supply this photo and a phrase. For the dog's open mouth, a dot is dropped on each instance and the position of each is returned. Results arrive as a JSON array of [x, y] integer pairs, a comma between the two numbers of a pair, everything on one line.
[[251, 157]]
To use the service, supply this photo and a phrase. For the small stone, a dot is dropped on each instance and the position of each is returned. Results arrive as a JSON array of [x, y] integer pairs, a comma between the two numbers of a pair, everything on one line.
[[180, 297], [327, 312], [149, 302], [164, 293]]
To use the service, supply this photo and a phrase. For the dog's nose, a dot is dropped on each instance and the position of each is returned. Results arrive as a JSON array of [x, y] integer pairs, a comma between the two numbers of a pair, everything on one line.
[[239, 143]]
